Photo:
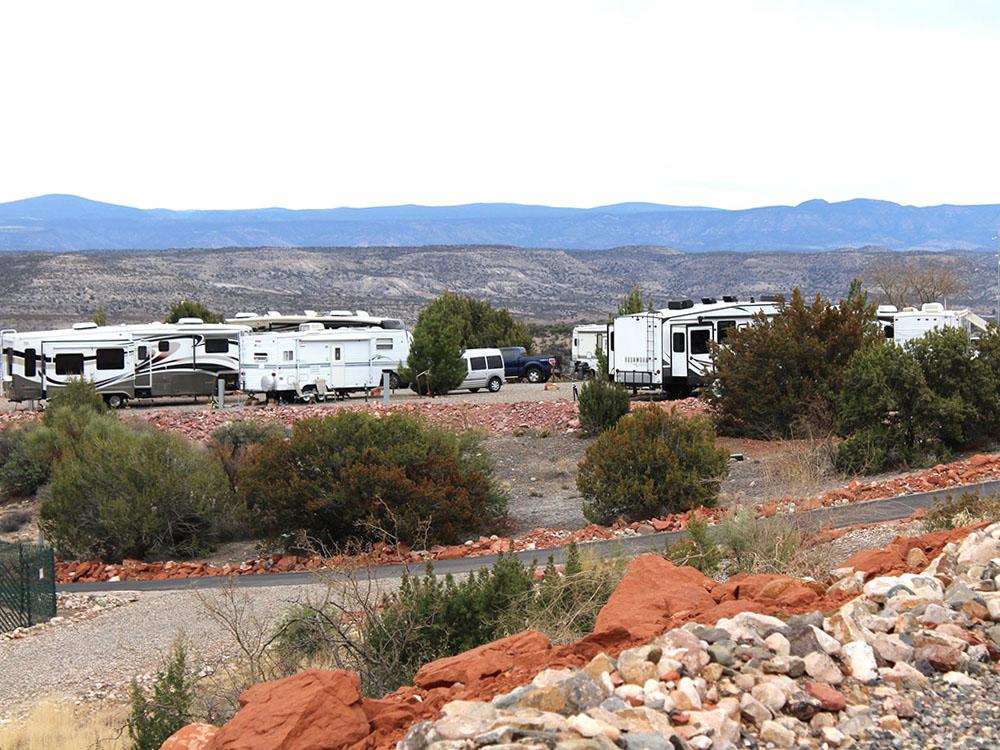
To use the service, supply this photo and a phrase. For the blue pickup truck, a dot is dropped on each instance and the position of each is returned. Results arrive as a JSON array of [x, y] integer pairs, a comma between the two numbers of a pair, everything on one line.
[[517, 363]]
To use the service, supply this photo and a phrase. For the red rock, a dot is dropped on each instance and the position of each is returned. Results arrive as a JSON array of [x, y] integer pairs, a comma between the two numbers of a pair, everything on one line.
[[487, 660], [829, 697], [787, 593], [313, 710], [652, 591], [191, 737]]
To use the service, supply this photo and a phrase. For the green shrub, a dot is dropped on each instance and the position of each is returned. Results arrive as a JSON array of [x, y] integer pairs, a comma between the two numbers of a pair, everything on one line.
[[696, 548], [190, 309], [232, 443], [77, 394], [601, 404], [21, 474], [353, 476], [651, 463], [153, 719], [967, 509], [134, 492]]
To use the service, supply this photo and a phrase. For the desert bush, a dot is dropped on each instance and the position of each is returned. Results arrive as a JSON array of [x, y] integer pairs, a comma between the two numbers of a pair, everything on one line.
[[777, 545], [76, 394], [191, 309], [126, 491], [967, 509], [651, 463], [601, 404], [14, 520], [154, 718], [774, 374], [233, 442], [355, 476], [21, 473], [696, 548]]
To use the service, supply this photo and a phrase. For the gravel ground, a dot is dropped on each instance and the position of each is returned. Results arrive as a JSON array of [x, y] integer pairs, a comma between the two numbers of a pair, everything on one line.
[[95, 659], [948, 717]]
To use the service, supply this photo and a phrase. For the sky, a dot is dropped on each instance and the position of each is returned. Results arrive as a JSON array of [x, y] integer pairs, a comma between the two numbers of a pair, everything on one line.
[[244, 104]]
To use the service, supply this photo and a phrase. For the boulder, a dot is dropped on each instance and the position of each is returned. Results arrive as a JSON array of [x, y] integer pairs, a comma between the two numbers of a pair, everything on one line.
[[651, 593], [526, 649], [821, 667], [860, 661], [777, 735], [191, 737], [830, 699], [313, 710]]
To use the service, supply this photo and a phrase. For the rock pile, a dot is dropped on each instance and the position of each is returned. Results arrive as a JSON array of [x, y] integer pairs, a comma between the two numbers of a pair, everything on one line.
[[73, 608], [679, 661]]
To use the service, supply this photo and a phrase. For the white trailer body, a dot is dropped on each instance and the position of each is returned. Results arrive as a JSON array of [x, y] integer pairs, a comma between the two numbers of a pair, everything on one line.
[[276, 321], [315, 361], [124, 362], [670, 349], [910, 323], [587, 341]]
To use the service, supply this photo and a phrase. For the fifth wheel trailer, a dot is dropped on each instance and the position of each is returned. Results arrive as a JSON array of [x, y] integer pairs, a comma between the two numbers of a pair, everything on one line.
[[186, 358]]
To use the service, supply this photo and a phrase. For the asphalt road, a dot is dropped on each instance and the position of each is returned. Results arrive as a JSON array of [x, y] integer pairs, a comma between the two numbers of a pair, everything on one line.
[[889, 509]]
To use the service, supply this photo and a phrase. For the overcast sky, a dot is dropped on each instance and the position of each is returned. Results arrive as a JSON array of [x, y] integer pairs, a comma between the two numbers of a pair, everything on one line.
[[212, 104]]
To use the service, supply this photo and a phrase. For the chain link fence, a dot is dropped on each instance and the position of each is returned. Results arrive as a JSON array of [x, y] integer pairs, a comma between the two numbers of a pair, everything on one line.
[[27, 585]]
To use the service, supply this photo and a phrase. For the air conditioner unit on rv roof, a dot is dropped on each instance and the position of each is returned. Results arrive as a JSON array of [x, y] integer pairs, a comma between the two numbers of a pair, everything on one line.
[[932, 307], [86, 325]]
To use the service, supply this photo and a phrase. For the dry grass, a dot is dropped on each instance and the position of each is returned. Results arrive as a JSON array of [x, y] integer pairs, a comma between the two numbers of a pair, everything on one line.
[[802, 469], [777, 545], [55, 725]]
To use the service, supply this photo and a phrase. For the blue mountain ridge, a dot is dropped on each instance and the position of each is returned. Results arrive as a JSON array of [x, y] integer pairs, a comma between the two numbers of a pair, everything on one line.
[[67, 223]]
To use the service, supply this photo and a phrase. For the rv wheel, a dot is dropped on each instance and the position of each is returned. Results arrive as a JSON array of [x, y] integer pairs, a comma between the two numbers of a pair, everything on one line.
[[494, 385], [115, 401]]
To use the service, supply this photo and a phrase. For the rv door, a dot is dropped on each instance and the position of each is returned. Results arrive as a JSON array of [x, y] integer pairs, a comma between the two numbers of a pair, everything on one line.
[[678, 351], [338, 366], [699, 350]]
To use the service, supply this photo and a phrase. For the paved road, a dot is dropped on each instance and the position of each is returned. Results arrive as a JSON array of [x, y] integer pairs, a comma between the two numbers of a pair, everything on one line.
[[889, 509]]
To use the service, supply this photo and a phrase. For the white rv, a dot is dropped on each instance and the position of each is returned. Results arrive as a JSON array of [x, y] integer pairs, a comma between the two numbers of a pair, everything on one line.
[[910, 323], [670, 349], [588, 340], [273, 320], [314, 361], [186, 358]]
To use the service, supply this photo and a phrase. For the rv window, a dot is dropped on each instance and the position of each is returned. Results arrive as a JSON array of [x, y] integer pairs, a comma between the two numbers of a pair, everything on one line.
[[890, 331], [679, 342], [600, 342], [477, 363], [69, 364], [723, 327], [576, 342], [495, 362], [289, 356], [336, 354], [383, 344], [29, 363], [216, 346], [110, 359], [10, 361], [164, 346], [699, 342], [143, 354]]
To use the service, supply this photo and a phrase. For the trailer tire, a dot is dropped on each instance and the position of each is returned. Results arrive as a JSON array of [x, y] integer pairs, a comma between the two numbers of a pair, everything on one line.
[[473, 390], [494, 384], [534, 375], [115, 400]]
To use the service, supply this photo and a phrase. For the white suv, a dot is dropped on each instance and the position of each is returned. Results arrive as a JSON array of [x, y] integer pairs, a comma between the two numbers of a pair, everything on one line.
[[485, 370]]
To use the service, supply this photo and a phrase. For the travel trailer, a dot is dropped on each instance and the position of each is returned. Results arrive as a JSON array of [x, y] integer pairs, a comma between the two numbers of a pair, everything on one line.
[[910, 323], [313, 361], [275, 321], [670, 349], [125, 362], [587, 341]]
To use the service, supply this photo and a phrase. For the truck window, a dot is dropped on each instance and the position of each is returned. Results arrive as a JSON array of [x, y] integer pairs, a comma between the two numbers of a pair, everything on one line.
[[477, 363], [699, 342], [723, 327], [69, 364], [110, 359], [679, 342], [217, 346], [495, 362], [30, 365]]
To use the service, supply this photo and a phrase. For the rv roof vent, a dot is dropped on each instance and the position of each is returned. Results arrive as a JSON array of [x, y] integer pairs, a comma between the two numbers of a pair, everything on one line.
[[190, 321], [84, 326], [362, 313], [339, 312], [311, 313], [909, 309], [730, 298], [273, 314], [680, 304], [882, 309], [311, 327], [932, 307], [708, 300], [245, 315]]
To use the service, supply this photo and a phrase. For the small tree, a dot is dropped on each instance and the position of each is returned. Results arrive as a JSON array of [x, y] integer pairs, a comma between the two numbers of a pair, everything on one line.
[[100, 317], [435, 365], [651, 463], [633, 303], [153, 719], [601, 404], [190, 309]]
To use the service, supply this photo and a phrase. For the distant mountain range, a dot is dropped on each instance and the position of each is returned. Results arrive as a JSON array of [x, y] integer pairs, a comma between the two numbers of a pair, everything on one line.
[[66, 223]]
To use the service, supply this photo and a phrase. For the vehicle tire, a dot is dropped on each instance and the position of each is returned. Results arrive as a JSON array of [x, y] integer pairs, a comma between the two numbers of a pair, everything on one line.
[[115, 400], [473, 390], [533, 375], [393, 381], [590, 374], [495, 384]]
